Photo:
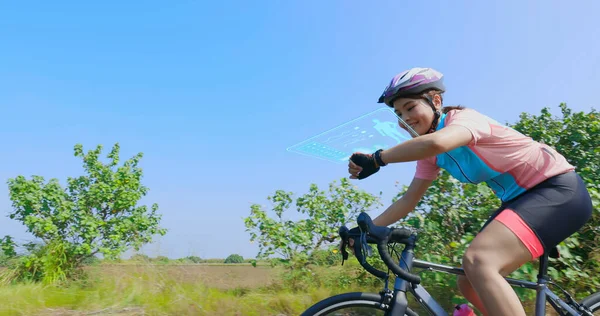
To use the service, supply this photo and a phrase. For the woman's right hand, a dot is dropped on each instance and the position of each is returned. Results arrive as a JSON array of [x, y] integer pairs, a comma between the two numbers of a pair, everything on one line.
[[362, 165], [353, 169]]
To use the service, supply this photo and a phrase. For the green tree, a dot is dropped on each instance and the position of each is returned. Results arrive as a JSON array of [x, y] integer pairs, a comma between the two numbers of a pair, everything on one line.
[[234, 258], [322, 214], [7, 251], [7, 247], [97, 213], [576, 135]]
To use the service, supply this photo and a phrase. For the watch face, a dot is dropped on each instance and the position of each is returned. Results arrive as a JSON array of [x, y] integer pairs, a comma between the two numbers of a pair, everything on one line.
[[375, 130]]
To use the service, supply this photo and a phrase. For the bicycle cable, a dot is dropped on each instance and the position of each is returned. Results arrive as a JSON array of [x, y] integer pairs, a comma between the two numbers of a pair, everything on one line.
[[397, 254]]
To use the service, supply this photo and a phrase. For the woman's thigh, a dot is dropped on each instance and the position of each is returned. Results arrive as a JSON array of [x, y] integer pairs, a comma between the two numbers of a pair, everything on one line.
[[497, 249]]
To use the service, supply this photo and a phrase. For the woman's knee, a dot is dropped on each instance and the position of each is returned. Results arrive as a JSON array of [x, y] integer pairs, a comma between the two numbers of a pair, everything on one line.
[[474, 260], [496, 249]]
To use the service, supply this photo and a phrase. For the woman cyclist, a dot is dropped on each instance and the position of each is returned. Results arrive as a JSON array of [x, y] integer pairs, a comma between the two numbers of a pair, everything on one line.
[[543, 200]]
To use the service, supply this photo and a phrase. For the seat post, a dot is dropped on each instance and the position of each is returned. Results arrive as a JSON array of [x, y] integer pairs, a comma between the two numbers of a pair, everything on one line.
[[543, 267], [540, 300]]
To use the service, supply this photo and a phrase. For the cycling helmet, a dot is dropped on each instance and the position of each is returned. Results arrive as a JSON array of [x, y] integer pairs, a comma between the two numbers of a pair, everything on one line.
[[412, 82]]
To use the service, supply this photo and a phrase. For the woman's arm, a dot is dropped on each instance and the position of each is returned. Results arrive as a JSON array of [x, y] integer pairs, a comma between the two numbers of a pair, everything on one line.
[[428, 145], [405, 204]]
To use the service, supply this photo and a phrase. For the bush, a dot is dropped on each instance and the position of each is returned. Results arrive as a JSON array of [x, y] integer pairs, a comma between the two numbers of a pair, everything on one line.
[[325, 257], [234, 258], [51, 263], [193, 259], [138, 257], [161, 260]]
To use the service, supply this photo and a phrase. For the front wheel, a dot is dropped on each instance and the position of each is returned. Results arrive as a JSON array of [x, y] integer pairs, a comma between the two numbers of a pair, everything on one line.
[[593, 303], [351, 304]]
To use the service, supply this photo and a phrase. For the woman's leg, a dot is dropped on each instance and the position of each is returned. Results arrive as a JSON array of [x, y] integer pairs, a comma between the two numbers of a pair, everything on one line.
[[550, 212], [494, 253], [469, 293]]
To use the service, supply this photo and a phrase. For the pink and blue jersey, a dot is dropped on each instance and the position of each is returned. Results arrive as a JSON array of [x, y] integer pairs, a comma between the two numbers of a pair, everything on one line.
[[508, 161]]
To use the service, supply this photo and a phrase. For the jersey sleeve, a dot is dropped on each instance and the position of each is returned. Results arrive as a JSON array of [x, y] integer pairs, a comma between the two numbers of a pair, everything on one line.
[[427, 169], [476, 123]]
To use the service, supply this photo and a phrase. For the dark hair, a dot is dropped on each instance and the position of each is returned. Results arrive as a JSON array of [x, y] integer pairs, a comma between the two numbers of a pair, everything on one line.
[[446, 109]]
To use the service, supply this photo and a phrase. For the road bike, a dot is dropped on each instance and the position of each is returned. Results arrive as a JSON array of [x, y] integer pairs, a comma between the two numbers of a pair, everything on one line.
[[395, 303]]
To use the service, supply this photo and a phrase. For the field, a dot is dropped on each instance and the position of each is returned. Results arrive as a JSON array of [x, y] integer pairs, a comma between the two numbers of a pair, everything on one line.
[[172, 289], [223, 277], [162, 290]]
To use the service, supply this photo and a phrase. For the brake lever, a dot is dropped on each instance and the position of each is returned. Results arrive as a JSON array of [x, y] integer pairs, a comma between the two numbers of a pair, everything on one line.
[[343, 233], [344, 252], [366, 249]]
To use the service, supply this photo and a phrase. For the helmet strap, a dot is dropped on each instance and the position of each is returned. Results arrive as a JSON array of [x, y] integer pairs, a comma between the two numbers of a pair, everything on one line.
[[436, 114]]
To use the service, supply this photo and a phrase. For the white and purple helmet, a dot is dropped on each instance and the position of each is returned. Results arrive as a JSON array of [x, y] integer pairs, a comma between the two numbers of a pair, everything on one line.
[[412, 82]]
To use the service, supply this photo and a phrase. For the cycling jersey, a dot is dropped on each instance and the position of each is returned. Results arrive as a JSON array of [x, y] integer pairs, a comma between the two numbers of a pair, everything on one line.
[[508, 161]]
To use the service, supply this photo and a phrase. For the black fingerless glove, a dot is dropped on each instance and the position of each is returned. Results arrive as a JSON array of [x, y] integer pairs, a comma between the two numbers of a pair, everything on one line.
[[370, 163]]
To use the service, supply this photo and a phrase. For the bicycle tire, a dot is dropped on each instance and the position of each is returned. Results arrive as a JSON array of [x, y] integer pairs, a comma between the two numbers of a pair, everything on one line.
[[592, 302], [349, 300]]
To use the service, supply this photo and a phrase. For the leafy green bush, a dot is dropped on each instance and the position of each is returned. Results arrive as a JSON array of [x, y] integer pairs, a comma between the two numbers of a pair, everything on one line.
[[96, 213], [161, 260], [234, 258], [141, 258], [50, 263], [193, 259]]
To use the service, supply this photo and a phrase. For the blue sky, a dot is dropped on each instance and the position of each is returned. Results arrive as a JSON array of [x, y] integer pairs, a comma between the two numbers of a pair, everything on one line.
[[213, 92]]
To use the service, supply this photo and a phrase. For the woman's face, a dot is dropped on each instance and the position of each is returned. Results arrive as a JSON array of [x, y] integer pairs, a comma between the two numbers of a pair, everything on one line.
[[415, 112]]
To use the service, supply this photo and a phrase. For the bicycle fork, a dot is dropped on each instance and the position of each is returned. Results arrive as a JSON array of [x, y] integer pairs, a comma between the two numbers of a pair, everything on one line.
[[400, 302]]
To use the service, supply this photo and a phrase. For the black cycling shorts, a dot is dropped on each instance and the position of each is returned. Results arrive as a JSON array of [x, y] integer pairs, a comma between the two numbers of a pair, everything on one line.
[[552, 210]]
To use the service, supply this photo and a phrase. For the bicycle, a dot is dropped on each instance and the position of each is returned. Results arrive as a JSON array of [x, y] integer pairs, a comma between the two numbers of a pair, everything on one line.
[[394, 302]]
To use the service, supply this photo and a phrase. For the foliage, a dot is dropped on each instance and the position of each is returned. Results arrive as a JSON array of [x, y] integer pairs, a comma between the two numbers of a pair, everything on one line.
[[7, 247], [7, 251], [93, 260], [96, 213], [50, 263], [234, 258], [193, 259], [139, 257], [326, 257], [161, 260], [296, 241], [576, 135]]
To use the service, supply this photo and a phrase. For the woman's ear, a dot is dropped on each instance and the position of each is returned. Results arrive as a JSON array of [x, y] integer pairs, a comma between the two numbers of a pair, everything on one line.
[[437, 101]]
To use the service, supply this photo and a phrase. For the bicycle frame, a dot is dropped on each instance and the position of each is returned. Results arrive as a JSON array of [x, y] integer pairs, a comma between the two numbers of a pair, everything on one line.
[[407, 261]]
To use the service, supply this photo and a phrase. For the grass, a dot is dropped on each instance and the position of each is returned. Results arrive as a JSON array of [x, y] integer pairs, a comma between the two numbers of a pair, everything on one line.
[[201, 289], [163, 290]]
